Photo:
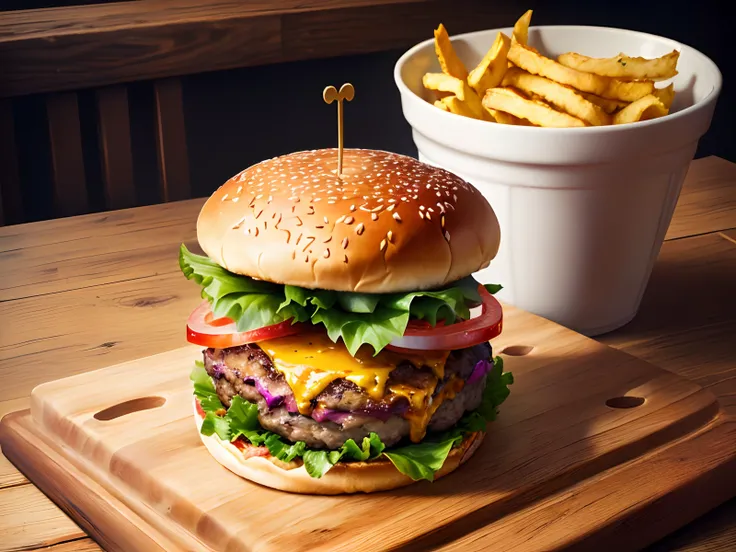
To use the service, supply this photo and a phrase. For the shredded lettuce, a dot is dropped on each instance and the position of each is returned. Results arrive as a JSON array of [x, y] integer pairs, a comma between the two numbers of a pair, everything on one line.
[[356, 318], [418, 461]]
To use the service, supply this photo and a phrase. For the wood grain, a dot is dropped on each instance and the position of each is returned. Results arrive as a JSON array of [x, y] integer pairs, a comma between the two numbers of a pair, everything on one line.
[[60, 49], [67, 159], [37, 523], [709, 205], [9, 475], [115, 147], [692, 280], [533, 452], [12, 201], [173, 164], [84, 342], [76, 545]]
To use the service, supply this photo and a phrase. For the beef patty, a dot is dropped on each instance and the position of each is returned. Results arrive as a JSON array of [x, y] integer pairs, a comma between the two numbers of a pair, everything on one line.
[[248, 371]]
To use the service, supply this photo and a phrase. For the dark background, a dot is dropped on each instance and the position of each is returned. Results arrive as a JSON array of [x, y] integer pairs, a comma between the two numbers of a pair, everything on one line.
[[238, 117]]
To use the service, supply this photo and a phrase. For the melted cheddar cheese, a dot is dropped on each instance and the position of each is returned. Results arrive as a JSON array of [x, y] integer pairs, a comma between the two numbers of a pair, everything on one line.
[[310, 362]]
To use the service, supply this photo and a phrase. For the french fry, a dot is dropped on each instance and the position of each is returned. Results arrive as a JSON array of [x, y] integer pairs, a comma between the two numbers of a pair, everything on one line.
[[562, 97], [532, 61], [441, 82], [489, 72], [459, 88], [536, 112], [521, 27], [450, 63], [648, 107], [455, 105], [508, 119], [623, 66], [515, 84], [609, 106], [666, 95]]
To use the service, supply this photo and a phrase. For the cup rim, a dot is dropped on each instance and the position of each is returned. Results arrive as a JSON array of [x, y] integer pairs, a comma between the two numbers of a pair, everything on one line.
[[476, 123]]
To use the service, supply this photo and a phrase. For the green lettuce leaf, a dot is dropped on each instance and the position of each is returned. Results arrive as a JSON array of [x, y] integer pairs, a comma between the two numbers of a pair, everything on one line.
[[422, 460], [418, 461], [213, 423], [204, 390], [356, 318], [284, 451]]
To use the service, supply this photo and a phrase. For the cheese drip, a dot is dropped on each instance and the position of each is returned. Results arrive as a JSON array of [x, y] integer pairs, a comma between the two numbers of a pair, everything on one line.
[[310, 362]]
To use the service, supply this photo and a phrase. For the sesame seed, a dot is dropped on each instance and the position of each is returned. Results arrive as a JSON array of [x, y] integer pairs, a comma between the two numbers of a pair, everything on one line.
[[383, 245], [421, 215], [327, 221], [352, 208], [235, 199], [390, 236], [326, 254], [256, 231], [397, 217], [224, 197], [442, 221], [359, 229], [349, 220], [346, 259], [447, 235], [345, 243], [374, 216], [340, 219], [421, 207], [429, 217]]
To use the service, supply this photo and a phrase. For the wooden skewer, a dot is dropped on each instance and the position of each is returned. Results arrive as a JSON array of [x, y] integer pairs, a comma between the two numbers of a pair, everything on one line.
[[330, 94]]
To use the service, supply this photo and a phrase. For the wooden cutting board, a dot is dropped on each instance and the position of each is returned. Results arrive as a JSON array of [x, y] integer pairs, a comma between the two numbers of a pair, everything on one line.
[[593, 449]]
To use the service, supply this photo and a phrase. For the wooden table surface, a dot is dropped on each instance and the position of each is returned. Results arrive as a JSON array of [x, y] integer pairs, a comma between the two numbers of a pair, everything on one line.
[[86, 292]]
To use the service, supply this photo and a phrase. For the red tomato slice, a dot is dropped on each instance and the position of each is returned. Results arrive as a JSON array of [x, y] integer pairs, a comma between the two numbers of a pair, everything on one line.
[[455, 336], [220, 333]]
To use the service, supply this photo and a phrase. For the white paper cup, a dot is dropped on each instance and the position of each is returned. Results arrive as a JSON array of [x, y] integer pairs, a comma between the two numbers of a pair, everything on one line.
[[583, 211]]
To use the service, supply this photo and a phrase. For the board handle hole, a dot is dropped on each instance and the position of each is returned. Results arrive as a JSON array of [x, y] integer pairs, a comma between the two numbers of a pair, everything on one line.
[[517, 350], [626, 401], [128, 407]]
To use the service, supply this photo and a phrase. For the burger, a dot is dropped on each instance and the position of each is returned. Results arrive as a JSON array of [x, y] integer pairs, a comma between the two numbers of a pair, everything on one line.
[[346, 343]]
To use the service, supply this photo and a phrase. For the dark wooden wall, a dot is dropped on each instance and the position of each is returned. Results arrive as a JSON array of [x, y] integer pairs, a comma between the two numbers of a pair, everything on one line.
[[236, 117]]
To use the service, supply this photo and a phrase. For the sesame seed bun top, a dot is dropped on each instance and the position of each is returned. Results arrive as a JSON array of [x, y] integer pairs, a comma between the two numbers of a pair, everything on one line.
[[388, 224]]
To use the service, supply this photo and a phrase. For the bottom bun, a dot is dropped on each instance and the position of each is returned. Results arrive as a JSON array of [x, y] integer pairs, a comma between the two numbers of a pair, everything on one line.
[[343, 478]]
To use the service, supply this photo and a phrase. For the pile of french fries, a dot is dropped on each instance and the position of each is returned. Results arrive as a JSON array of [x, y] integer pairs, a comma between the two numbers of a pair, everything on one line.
[[515, 84]]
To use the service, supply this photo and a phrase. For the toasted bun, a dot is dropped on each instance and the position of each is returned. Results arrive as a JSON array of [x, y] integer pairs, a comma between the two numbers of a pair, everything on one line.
[[343, 478], [389, 224]]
